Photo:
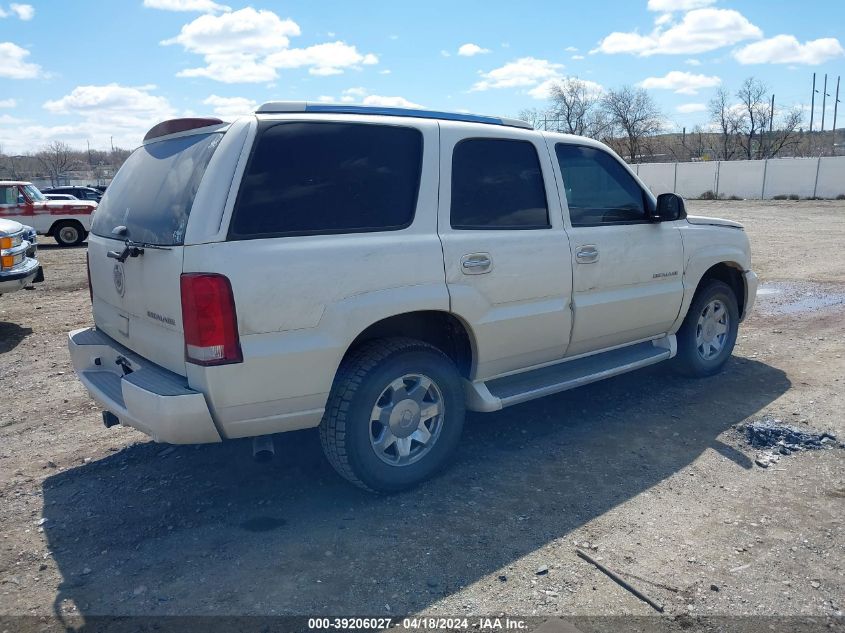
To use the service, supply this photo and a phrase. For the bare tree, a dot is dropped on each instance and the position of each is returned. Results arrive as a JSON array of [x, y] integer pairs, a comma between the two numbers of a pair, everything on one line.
[[634, 115], [725, 117], [536, 117], [754, 114], [577, 106], [56, 158], [786, 133]]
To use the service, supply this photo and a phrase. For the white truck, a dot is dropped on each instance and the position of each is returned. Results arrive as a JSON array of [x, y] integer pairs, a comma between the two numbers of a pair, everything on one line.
[[67, 221], [375, 272]]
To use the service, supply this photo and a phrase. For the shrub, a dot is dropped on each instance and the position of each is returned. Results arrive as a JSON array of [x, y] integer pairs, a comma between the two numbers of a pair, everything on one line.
[[734, 198], [794, 196], [780, 196], [707, 195], [841, 196]]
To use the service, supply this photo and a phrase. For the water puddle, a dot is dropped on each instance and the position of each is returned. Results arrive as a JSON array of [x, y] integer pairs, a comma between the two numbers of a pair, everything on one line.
[[790, 297]]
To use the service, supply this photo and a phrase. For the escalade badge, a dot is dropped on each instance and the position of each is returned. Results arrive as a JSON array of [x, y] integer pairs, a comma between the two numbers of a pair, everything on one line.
[[119, 280]]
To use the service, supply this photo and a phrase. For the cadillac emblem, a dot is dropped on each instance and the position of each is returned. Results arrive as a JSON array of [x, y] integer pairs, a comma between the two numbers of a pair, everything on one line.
[[119, 280]]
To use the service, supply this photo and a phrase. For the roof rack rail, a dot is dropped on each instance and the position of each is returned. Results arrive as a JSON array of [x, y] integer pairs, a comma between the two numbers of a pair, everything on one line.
[[278, 107]]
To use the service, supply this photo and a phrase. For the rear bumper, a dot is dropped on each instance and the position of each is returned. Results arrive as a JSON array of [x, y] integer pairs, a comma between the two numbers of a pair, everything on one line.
[[751, 283], [151, 399]]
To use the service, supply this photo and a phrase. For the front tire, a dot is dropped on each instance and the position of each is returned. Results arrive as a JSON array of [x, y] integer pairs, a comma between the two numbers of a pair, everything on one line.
[[394, 416], [708, 334]]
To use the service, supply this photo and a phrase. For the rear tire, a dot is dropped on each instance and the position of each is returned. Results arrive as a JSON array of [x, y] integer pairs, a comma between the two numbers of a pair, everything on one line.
[[708, 334], [68, 233], [394, 416]]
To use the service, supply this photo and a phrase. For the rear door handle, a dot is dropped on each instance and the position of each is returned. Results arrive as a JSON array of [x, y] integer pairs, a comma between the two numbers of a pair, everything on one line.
[[476, 263], [587, 254]]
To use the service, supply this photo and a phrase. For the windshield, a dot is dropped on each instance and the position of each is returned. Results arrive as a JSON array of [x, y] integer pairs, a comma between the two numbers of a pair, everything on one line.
[[153, 191], [34, 194]]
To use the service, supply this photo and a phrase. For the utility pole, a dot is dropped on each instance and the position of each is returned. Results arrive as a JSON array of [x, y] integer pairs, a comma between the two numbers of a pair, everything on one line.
[[772, 113], [813, 103], [824, 99], [835, 108]]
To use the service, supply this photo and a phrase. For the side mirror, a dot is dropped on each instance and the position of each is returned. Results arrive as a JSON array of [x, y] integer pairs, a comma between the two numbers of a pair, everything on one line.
[[670, 207]]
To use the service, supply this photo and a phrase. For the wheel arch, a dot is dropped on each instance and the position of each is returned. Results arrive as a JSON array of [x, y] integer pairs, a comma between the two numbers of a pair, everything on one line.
[[441, 329], [60, 221], [730, 273]]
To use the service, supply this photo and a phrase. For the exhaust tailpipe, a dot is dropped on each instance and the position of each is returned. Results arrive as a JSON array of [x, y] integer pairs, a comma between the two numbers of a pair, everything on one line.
[[263, 448]]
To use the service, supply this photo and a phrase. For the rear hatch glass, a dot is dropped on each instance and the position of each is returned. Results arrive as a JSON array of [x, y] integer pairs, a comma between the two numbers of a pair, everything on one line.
[[153, 192], [137, 302]]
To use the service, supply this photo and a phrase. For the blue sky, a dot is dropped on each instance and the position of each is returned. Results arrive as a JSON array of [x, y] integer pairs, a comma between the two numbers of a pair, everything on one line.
[[98, 71]]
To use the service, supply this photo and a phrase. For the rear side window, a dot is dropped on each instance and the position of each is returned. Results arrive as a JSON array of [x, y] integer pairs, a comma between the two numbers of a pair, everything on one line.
[[153, 192], [320, 178], [599, 190], [497, 184]]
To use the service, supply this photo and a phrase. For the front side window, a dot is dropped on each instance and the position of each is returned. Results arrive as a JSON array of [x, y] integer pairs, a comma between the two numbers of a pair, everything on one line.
[[497, 184], [323, 178], [599, 190]]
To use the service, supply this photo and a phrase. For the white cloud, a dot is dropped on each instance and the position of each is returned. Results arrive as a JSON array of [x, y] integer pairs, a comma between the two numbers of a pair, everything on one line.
[[204, 6], [445, 53], [469, 50], [681, 82], [677, 5], [321, 59], [786, 49], [230, 107], [244, 32], [8, 103], [391, 102], [362, 96], [99, 114], [699, 31], [663, 18], [689, 108], [543, 90], [692, 62], [386, 71], [571, 49], [577, 57], [249, 45], [521, 73], [23, 11], [13, 64]]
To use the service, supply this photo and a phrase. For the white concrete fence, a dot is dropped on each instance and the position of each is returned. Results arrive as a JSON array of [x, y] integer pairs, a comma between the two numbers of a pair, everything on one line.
[[748, 179]]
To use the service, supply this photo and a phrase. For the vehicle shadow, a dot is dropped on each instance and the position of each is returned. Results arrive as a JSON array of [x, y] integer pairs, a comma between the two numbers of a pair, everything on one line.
[[53, 246], [153, 530], [11, 334]]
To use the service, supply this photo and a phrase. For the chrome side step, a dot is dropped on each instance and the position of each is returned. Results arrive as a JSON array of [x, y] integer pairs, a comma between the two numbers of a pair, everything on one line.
[[517, 388]]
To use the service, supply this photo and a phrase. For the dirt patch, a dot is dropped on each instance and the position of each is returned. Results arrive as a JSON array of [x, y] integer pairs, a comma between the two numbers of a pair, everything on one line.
[[648, 471]]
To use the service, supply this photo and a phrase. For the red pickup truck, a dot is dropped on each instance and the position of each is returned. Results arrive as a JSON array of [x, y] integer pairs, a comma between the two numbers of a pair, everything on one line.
[[67, 221]]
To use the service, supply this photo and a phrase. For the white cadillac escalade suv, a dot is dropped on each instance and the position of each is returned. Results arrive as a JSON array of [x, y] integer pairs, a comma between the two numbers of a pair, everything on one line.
[[375, 272]]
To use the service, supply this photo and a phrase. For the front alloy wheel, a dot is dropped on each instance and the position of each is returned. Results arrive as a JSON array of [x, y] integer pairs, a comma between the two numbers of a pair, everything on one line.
[[708, 334]]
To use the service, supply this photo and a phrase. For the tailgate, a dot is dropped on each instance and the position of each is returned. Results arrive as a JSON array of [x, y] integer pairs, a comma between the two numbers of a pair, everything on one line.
[[137, 302]]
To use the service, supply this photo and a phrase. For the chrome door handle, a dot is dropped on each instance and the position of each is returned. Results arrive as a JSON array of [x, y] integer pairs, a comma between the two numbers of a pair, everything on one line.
[[476, 263], [586, 254]]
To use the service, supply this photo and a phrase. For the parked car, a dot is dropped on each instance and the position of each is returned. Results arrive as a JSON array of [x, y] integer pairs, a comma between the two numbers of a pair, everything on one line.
[[59, 196], [375, 272], [19, 265], [81, 193], [68, 221]]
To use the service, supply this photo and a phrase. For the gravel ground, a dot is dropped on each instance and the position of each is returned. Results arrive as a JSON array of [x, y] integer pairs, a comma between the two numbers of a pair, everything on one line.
[[649, 472]]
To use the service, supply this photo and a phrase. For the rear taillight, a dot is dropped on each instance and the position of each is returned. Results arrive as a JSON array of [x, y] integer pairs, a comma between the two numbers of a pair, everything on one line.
[[88, 269], [210, 320]]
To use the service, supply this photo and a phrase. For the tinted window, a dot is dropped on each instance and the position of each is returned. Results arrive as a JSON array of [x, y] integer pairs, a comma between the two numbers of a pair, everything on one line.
[[312, 178], [153, 192], [497, 184], [599, 190]]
